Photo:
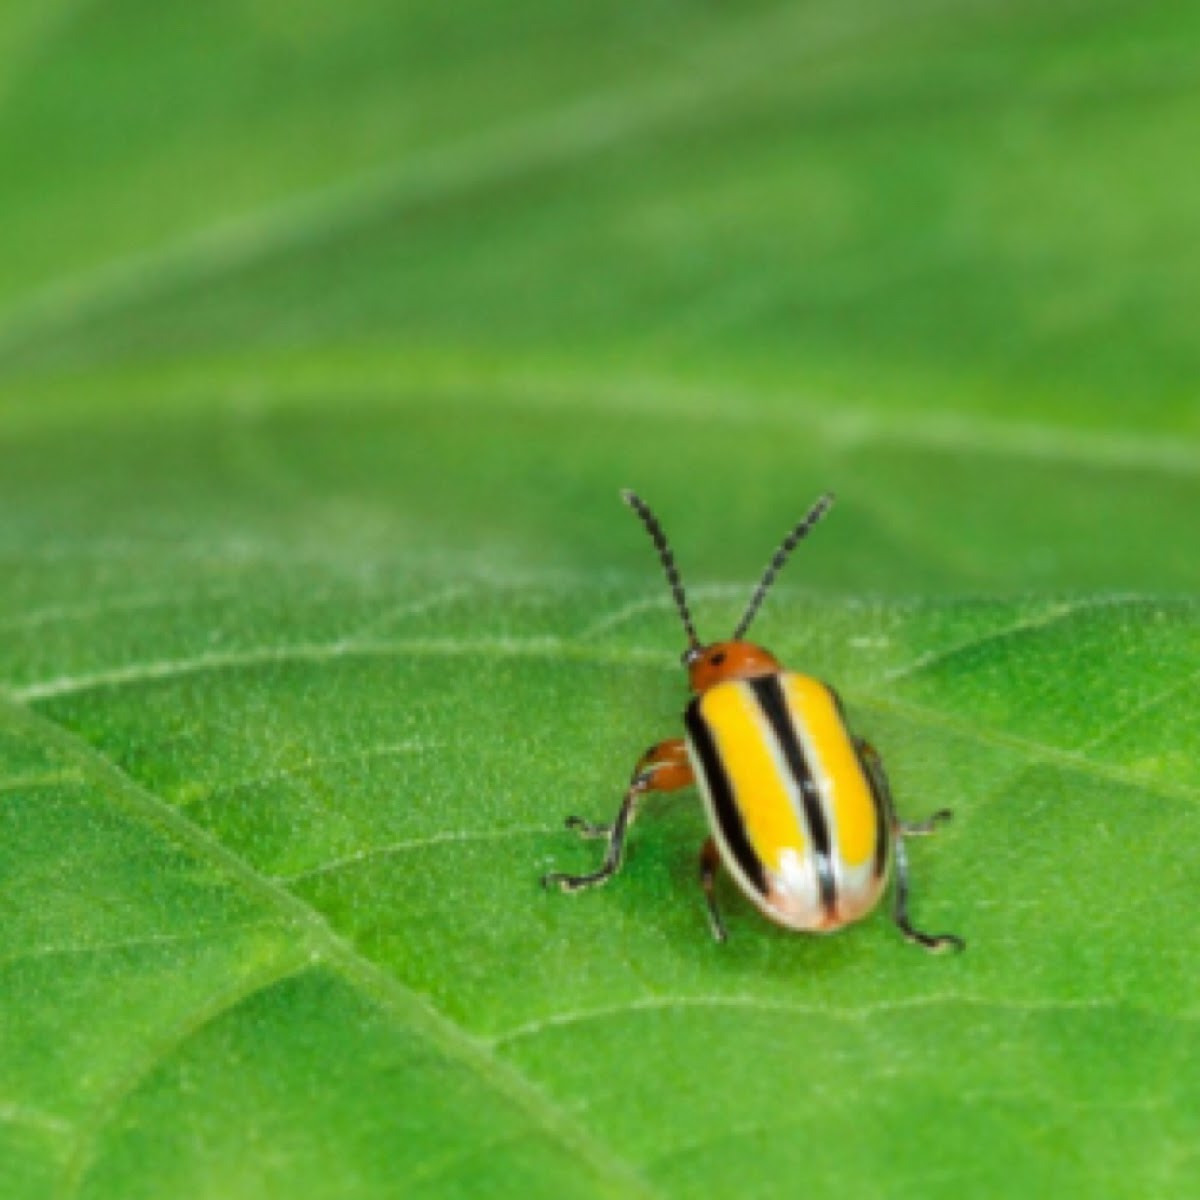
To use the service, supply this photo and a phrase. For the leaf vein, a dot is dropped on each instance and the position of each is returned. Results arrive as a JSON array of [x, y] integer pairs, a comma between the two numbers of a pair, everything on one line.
[[1030, 749], [449, 836], [33, 783], [858, 1014], [1056, 613], [161, 1050], [32, 1118], [316, 652], [225, 788], [561, 135], [472, 1053], [135, 943], [1140, 710]]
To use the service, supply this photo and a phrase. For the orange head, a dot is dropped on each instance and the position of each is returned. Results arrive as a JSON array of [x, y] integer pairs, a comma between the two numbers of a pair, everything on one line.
[[735, 658], [710, 665]]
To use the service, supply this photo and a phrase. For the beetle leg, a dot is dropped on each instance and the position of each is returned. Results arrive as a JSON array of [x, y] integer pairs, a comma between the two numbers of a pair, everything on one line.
[[936, 942], [616, 842], [663, 768], [926, 827], [589, 830], [710, 864]]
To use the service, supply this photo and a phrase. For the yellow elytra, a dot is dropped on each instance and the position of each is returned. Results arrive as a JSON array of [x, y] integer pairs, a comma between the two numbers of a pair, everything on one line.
[[800, 812]]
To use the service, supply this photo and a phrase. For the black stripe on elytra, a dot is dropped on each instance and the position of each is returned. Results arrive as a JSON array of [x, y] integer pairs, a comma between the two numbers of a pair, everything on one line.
[[768, 691], [881, 796], [728, 818]]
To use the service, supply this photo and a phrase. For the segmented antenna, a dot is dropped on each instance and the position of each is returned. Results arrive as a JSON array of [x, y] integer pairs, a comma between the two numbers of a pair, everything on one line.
[[654, 529], [810, 518]]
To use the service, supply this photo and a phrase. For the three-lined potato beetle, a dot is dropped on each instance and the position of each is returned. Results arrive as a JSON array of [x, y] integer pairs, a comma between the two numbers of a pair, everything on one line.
[[799, 808]]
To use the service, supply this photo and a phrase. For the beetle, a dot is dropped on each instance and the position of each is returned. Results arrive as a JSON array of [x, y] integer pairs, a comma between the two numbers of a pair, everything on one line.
[[799, 809]]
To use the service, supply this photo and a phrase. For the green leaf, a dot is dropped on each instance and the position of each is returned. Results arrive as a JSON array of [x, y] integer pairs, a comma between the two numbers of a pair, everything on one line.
[[327, 336]]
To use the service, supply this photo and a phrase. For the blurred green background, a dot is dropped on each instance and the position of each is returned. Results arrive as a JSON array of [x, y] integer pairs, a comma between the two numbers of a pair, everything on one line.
[[328, 334]]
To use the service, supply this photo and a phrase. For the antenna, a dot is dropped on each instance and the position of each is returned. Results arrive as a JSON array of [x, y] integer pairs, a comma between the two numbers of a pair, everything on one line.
[[654, 529], [802, 527]]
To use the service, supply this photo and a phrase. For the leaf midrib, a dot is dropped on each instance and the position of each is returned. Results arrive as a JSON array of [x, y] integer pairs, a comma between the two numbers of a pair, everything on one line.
[[520, 390], [591, 123], [335, 951]]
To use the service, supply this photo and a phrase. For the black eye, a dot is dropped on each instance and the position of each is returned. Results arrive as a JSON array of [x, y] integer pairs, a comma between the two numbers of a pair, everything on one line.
[[718, 658]]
